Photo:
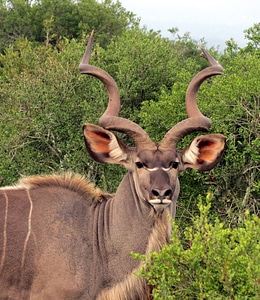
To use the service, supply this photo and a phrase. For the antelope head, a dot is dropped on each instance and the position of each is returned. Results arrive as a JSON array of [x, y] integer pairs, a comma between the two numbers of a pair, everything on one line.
[[153, 166]]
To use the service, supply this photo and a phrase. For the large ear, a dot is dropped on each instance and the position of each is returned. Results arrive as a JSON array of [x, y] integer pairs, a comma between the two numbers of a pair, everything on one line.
[[103, 146], [204, 152]]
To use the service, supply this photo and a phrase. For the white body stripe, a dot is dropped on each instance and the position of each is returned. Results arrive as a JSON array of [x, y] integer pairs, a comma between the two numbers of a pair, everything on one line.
[[29, 227], [4, 233]]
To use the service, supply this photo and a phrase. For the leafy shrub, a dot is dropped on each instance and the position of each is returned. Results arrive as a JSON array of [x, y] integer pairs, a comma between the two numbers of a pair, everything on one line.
[[208, 260]]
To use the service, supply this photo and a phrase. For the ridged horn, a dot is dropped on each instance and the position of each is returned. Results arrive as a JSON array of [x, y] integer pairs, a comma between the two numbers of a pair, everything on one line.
[[110, 119], [196, 121]]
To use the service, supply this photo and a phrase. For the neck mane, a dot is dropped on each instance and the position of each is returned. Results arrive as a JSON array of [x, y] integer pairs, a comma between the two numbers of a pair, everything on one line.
[[73, 182]]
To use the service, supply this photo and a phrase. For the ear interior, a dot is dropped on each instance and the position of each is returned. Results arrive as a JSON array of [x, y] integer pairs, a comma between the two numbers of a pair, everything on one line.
[[98, 141], [205, 152], [103, 146]]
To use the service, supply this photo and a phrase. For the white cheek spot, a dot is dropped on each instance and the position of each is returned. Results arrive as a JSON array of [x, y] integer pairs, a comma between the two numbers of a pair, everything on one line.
[[192, 153]]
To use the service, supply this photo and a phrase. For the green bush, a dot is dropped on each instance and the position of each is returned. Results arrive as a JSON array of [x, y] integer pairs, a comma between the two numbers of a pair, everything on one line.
[[208, 260]]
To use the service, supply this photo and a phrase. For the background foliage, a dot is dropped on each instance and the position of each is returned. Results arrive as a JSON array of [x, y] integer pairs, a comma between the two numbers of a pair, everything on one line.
[[44, 101], [49, 21]]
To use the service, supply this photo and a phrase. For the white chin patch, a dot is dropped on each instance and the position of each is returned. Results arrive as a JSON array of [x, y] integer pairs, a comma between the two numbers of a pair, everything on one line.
[[160, 205]]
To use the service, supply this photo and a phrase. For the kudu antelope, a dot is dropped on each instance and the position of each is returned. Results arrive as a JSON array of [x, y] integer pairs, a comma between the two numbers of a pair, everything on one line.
[[61, 238]]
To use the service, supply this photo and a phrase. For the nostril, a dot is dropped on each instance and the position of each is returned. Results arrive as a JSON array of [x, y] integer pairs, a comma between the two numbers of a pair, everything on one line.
[[167, 193], [155, 193]]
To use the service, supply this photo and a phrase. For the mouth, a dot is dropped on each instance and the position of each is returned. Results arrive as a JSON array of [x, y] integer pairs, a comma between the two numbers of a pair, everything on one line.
[[160, 204]]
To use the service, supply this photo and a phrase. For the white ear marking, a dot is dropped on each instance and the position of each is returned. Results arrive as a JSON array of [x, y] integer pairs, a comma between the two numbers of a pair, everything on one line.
[[115, 150], [192, 153]]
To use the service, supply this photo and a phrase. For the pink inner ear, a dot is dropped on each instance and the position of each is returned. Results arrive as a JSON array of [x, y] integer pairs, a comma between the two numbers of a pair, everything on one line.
[[99, 142], [208, 151]]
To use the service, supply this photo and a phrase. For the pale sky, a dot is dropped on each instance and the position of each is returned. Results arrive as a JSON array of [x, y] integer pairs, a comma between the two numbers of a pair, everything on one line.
[[216, 21]]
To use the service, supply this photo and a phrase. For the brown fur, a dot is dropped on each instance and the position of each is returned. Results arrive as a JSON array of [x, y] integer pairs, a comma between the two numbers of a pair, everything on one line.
[[72, 241]]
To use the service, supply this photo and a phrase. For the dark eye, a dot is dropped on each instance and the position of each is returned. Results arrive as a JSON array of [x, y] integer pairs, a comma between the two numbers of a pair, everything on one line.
[[139, 165], [175, 164]]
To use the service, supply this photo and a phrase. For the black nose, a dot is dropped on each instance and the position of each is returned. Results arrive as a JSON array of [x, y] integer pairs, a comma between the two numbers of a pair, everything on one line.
[[162, 194]]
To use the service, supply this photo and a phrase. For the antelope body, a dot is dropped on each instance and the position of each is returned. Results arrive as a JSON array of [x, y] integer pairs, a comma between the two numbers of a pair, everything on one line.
[[60, 238]]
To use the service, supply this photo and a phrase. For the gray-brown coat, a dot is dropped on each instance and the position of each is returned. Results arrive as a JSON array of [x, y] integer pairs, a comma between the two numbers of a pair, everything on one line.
[[61, 238]]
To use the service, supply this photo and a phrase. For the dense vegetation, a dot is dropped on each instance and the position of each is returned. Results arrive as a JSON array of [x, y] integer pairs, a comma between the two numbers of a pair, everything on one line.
[[44, 101], [207, 260], [49, 21]]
